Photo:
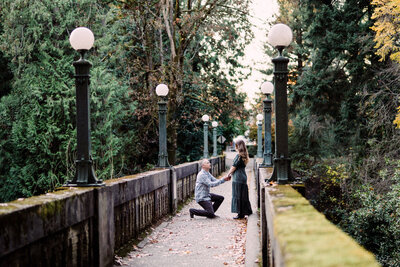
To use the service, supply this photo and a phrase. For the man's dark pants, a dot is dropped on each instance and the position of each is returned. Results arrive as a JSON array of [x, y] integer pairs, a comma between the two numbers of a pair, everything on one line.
[[209, 208]]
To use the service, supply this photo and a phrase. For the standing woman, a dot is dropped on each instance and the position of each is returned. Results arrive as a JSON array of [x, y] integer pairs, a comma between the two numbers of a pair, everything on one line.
[[240, 191]]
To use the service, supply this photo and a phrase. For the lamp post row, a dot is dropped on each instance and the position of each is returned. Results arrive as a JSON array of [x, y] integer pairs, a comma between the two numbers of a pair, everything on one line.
[[82, 39], [214, 124], [280, 36]]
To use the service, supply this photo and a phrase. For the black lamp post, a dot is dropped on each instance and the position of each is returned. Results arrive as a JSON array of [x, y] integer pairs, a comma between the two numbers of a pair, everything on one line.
[[162, 91], [267, 88], [82, 40], [215, 125], [280, 36], [205, 119], [259, 118]]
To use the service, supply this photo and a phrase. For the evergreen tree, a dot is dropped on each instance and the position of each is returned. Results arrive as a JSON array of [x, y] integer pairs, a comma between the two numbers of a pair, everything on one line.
[[327, 95], [168, 45], [5, 72], [138, 45], [38, 135], [343, 105]]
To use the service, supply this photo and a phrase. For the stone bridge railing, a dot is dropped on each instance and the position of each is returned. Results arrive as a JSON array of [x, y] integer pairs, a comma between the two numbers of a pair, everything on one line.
[[293, 233], [84, 226]]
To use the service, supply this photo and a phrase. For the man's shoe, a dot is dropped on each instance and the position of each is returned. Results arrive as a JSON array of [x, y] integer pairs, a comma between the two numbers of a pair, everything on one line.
[[191, 214], [238, 217]]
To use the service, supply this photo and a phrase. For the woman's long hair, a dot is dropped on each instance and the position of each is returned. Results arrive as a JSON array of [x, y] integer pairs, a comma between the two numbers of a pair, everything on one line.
[[241, 148]]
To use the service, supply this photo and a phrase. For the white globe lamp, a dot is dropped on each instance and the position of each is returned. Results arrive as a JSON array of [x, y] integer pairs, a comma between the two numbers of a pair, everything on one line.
[[81, 38], [280, 36], [267, 88], [162, 90], [205, 118]]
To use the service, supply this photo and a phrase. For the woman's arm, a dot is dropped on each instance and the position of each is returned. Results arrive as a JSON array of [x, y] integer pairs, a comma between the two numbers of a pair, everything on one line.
[[234, 164], [231, 171]]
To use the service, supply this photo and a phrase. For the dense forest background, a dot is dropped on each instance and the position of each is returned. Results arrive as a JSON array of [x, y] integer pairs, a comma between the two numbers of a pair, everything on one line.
[[344, 90], [192, 46], [344, 97]]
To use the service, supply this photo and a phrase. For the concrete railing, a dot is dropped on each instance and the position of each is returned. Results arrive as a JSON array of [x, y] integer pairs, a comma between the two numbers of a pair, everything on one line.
[[84, 226], [293, 233]]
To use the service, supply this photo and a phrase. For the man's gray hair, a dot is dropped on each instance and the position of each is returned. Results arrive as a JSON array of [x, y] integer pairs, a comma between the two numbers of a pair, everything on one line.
[[204, 161]]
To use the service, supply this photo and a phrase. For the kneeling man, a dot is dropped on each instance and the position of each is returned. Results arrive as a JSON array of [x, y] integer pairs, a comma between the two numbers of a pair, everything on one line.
[[202, 193]]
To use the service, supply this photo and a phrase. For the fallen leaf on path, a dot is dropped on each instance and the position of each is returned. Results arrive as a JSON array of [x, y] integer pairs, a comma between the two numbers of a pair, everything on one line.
[[142, 255], [118, 261]]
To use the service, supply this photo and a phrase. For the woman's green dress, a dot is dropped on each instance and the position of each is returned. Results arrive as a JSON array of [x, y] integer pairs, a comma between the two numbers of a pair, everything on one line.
[[240, 191]]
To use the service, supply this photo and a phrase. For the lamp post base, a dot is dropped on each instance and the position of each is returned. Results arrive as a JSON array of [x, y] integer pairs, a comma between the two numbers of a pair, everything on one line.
[[85, 175], [98, 184], [163, 162], [267, 162], [282, 173]]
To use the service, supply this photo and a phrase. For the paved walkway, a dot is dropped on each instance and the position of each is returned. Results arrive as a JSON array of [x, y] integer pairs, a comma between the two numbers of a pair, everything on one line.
[[182, 241]]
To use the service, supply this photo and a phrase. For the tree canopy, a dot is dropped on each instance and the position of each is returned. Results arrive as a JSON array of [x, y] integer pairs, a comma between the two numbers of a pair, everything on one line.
[[192, 46], [344, 94]]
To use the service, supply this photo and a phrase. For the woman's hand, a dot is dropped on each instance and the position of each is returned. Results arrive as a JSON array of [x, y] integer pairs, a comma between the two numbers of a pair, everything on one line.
[[232, 170]]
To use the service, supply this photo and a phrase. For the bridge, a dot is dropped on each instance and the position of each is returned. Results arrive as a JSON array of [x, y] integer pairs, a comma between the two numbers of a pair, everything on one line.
[[145, 218]]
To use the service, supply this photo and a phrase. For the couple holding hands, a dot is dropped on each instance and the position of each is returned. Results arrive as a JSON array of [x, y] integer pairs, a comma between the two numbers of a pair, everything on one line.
[[240, 193]]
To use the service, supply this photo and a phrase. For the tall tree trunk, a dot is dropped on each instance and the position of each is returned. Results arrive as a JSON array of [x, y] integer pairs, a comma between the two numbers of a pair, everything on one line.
[[166, 7]]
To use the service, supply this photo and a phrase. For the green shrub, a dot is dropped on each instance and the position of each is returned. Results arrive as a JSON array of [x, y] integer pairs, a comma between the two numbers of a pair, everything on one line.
[[376, 224], [324, 188], [252, 150]]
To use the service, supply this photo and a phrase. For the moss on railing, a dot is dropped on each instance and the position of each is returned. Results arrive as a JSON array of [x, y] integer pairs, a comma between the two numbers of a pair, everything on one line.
[[307, 238], [83, 226]]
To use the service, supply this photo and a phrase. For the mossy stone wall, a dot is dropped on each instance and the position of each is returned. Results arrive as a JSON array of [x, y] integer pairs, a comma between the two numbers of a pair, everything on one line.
[[83, 226], [296, 234]]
